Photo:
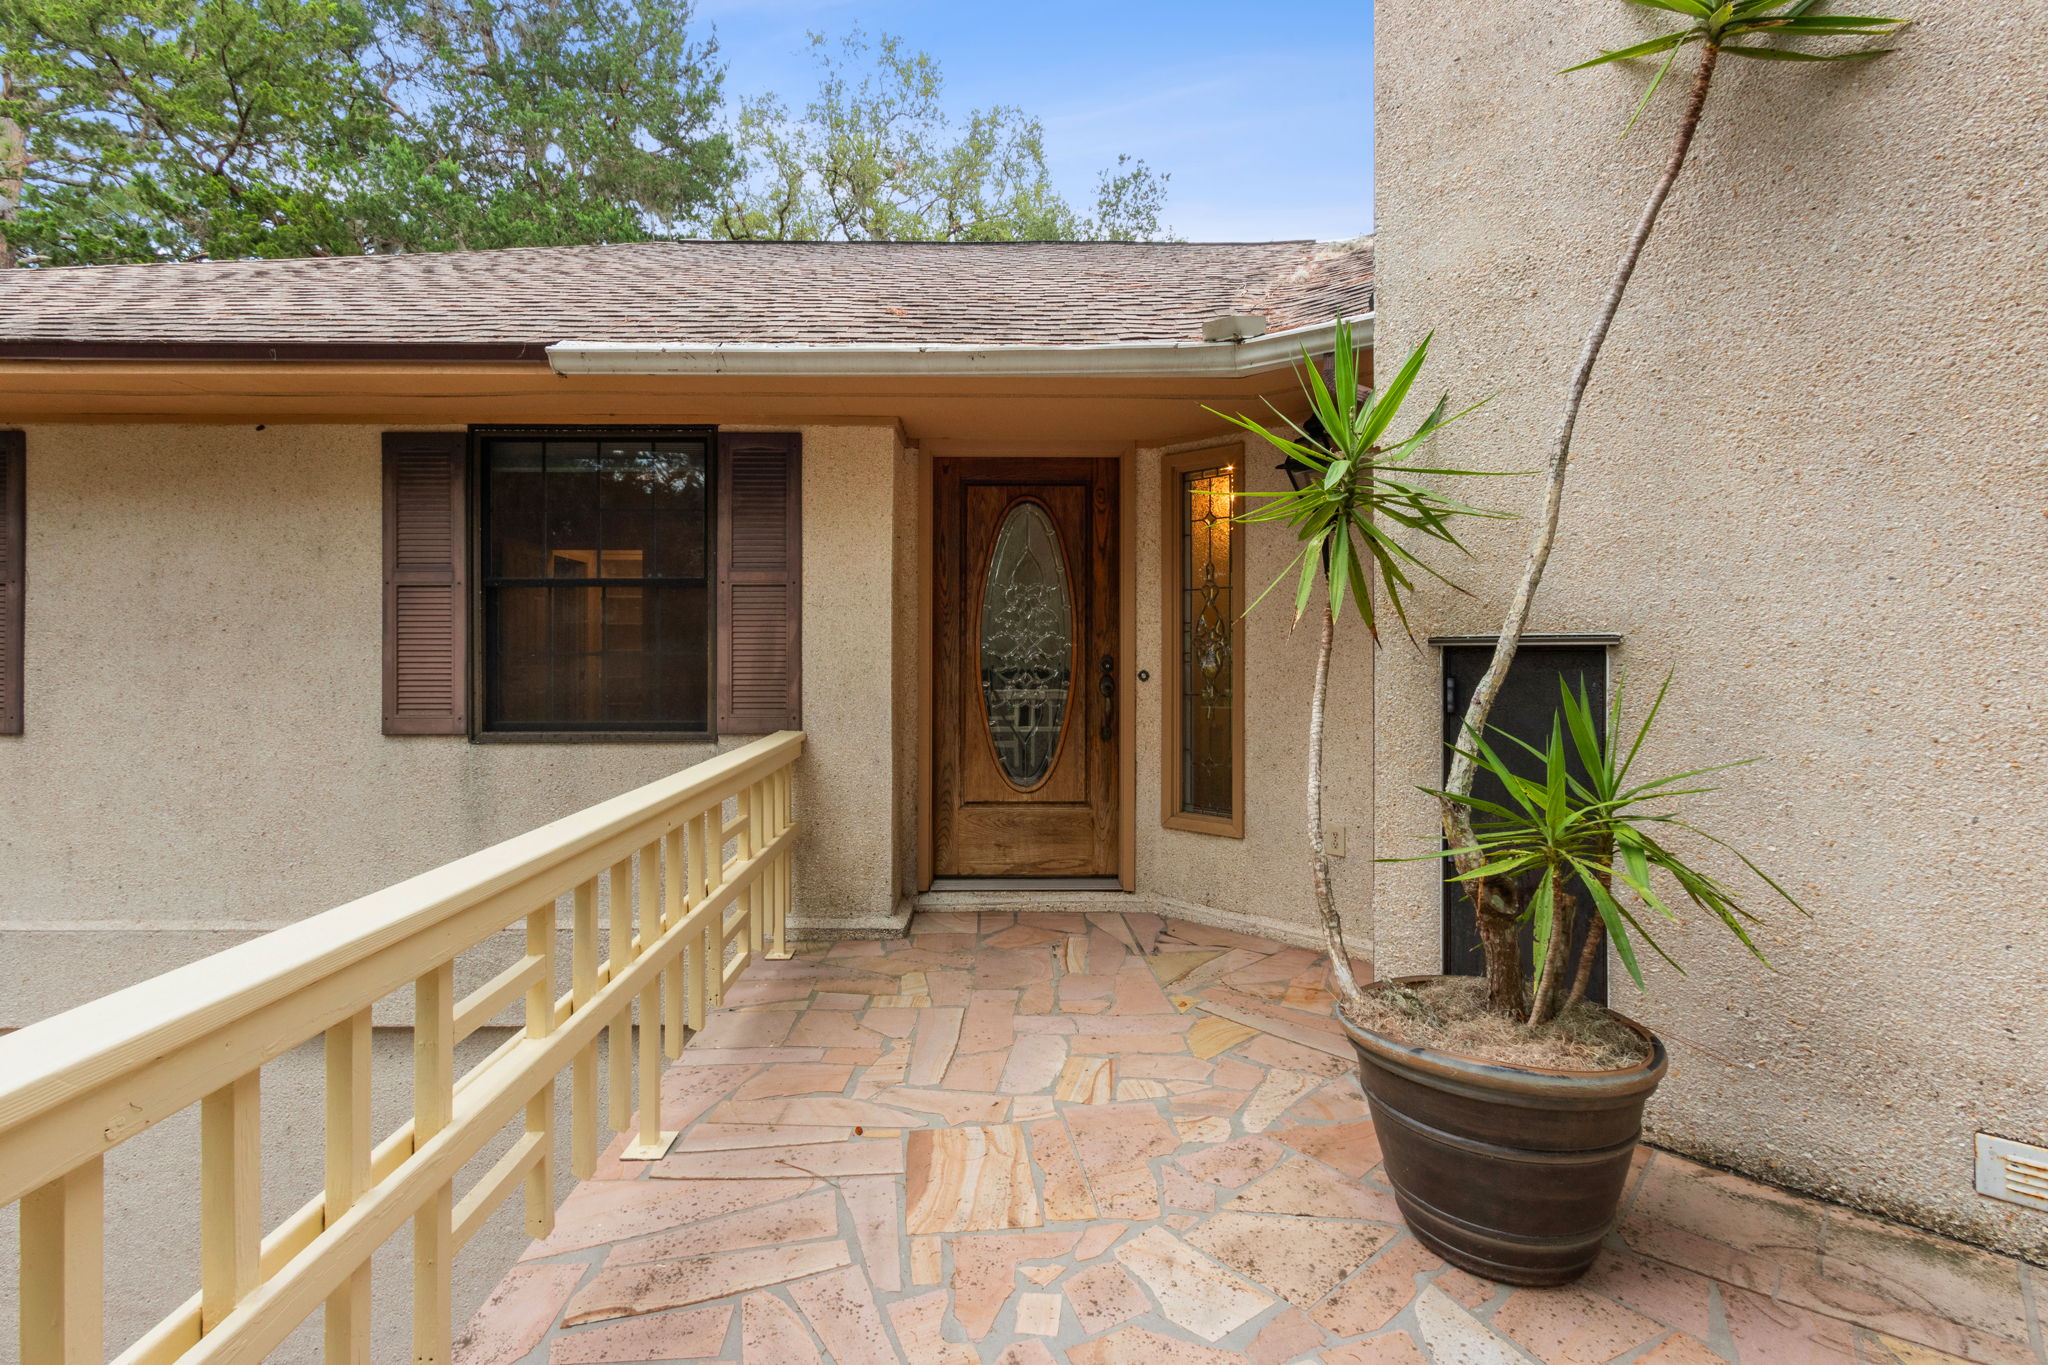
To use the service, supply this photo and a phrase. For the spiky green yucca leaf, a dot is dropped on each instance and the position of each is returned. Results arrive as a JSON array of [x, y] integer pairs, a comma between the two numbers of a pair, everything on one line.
[[1600, 828], [1776, 19], [1364, 489]]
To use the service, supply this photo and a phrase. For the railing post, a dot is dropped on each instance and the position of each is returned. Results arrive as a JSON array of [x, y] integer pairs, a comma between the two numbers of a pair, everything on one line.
[[63, 1269], [230, 1197], [540, 1110], [433, 1107], [583, 1071], [346, 1322]]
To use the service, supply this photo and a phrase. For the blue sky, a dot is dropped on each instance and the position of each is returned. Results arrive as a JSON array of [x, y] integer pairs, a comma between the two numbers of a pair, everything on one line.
[[1263, 116]]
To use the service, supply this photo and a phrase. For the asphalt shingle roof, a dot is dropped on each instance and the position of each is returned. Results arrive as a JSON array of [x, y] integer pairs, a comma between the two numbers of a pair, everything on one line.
[[517, 301]]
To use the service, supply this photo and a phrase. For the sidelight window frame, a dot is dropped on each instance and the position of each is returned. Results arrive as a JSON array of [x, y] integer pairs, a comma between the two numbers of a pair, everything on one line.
[[482, 661], [1173, 564]]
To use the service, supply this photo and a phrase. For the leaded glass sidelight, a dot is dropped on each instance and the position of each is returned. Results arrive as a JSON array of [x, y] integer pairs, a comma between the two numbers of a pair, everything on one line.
[[1027, 644], [1208, 672]]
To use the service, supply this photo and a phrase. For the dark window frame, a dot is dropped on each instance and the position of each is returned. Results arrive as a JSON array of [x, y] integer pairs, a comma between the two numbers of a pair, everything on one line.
[[481, 732], [1174, 813]]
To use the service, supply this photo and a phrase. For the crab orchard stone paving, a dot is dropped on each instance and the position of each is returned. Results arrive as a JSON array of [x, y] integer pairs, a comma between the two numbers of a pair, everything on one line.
[[1067, 1139]]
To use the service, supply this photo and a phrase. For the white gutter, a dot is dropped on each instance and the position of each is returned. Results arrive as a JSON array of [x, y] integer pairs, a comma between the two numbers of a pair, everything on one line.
[[1110, 359]]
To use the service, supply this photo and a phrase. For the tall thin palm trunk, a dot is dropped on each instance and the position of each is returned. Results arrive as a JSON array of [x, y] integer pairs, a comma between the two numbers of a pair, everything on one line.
[[1503, 962], [1341, 976]]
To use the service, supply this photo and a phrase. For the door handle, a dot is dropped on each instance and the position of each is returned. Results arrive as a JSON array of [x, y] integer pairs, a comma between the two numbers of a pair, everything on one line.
[[1107, 686]]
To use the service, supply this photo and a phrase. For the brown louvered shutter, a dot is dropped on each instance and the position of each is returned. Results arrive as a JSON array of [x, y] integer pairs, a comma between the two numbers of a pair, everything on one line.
[[426, 611], [13, 576], [760, 582]]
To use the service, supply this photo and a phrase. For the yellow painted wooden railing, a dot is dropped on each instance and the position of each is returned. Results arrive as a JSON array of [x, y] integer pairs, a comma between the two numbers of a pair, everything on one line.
[[693, 896]]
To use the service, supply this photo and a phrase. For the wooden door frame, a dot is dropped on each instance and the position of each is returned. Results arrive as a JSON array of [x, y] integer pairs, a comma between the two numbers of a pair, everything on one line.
[[927, 625]]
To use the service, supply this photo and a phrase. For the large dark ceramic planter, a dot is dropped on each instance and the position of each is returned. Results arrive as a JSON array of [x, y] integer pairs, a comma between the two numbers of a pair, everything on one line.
[[1510, 1172]]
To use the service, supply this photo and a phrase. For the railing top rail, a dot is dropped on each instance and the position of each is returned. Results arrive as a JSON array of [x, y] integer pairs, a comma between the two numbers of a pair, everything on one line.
[[83, 1048]]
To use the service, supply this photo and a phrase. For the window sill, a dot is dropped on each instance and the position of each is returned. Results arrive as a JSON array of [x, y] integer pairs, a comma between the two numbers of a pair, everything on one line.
[[1204, 824], [691, 737]]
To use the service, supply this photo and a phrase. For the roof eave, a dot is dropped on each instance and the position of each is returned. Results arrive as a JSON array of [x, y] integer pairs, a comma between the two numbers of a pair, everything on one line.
[[1113, 359]]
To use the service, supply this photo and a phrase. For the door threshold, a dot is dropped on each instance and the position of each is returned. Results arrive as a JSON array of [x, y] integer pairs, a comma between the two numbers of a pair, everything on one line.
[[1025, 884]]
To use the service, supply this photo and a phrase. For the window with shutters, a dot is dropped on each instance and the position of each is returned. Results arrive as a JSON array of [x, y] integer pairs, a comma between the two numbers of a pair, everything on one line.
[[596, 583]]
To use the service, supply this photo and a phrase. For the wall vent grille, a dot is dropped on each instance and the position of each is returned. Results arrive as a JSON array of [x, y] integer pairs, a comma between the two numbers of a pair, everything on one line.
[[2012, 1171]]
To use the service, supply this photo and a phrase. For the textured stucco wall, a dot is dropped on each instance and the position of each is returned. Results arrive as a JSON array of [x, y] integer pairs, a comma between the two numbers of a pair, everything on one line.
[[1810, 478], [203, 754], [1260, 882]]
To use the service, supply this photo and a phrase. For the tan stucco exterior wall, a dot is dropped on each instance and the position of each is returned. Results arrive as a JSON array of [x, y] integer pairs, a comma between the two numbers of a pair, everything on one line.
[[1810, 479], [1261, 882], [203, 754]]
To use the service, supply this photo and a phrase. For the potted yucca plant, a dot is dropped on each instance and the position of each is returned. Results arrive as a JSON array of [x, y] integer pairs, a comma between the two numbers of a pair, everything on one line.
[[1509, 1108]]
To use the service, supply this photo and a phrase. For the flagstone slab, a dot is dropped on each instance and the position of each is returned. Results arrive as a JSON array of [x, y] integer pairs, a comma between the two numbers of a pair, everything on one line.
[[931, 1052], [1369, 1300], [970, 1179], [1234, 1164], [1136, 1345], [816, 1111], [1086, 1080], [977, 1073], [517, 1315], [859, 1157], [597, 1214], [1194, 1292], [1115, 1143], [1033, 1064], [1275, 1095], [920, 1324], [875, 1203], [954, 1106], [1300, 1264], [690, 1334], [841, 1309], [1390, 1348], [1353, 1148], [985, 1271], [806, 1218], [771, 1331], [1309, 1189], [656, 1285], [821, 1078], [1065, 1189], [724, 1137], [1288, 1335], [990, 1022], [1568, 1326], [1455, 1337]]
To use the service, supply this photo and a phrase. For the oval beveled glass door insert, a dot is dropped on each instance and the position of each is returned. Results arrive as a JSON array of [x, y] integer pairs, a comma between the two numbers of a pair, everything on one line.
[[1027, 644]]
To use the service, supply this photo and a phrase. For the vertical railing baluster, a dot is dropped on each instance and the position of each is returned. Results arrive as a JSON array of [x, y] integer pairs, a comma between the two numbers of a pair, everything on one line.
[[433, 1225], [652, 1143], [779, 873], [696, 883], [714, 933], [540, 1110], [63, 1268], [676, 973], [618, 1048], [230, 1197], [583, 1071], [346, 1322], [755, 809]]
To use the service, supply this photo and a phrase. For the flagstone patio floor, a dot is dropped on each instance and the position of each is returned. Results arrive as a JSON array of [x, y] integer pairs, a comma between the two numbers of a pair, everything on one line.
[[1115, 1140]]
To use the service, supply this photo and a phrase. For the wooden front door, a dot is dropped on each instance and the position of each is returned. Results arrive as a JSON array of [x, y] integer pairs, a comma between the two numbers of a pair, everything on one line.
[[1026, 700]]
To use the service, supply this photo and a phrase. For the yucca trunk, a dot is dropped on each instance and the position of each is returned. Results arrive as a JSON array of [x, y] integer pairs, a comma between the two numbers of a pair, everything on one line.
[[1341, 977], [1498, 937]]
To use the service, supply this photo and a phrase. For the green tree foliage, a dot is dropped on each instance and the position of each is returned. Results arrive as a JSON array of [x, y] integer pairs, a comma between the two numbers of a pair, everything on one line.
[[876, 157], [542, 122], [142, 130], [147, 129]]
